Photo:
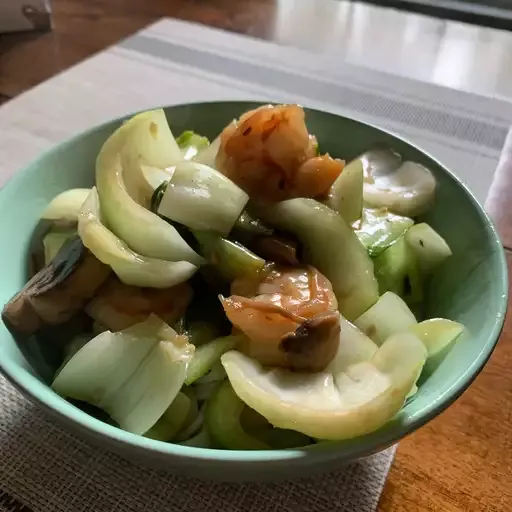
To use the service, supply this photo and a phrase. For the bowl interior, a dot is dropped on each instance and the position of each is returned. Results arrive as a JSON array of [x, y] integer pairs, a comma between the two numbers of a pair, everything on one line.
[[470, 288]]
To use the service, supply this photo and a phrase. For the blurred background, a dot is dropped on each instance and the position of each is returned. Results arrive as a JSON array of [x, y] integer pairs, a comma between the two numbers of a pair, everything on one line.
[[464, 44]]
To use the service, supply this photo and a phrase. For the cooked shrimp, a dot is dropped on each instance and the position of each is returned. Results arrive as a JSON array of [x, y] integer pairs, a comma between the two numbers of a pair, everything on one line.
[[268, 153], [118, 306], [290, 313]]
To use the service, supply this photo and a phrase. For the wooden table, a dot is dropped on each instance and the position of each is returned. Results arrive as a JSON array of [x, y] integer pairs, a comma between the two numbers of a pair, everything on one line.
[[461, 461]]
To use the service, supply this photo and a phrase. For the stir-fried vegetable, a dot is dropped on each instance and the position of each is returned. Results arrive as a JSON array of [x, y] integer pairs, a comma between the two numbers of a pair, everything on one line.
[[172, 420], [67, 205], [379, 229], [133, 375], [223, 421], [438, 335], [130, 267], [201, 198], [405, 188], [144, 139], [329, 405], [54, 241], [332, 247], [428, 246], [346, 193], [397, 270], [231, 259], [208, 155], [387, 316], [191, 143], [207, 355], [249, 225], [293, 246]]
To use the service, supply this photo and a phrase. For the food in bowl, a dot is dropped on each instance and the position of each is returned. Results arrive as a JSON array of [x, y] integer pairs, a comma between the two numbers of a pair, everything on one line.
[[248, 293]]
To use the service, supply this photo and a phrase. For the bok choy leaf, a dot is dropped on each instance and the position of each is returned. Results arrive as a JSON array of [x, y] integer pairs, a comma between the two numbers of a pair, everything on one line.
[[380, 228], [133, 375], [191, 143]]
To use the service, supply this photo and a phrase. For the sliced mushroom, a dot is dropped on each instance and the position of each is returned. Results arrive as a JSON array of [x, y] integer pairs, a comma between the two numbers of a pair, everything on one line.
[[58, 291], [314, 343], [118, 306], [277, 248]]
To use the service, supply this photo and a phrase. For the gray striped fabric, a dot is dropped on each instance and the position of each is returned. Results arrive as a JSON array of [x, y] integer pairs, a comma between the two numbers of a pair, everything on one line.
[[43, 468]]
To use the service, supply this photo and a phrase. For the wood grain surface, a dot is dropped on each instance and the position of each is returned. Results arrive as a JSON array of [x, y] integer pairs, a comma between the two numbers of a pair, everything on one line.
[[461, 461]]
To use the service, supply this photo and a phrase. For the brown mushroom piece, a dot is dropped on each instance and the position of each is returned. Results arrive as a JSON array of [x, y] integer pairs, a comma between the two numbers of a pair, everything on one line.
[[58, 291], [277, 248], [314, 343], [118, 306]]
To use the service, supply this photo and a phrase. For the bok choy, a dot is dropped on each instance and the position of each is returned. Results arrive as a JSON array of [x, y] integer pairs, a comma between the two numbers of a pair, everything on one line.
[[191, 143], [380, 228], [133, 375], [130, 267], [143, 140], [331, 405], [201, 198]]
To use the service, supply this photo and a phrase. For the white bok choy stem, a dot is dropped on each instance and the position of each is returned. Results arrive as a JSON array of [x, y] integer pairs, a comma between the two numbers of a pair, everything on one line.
[[202, 198], [208, 155], [408, 190], [389, 315], [67, 205], [340, 403], [346, 193], [133, 375], [145, 140], [131, 268]]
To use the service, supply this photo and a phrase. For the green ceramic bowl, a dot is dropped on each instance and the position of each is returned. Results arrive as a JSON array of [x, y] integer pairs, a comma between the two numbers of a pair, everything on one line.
[[471, 288]]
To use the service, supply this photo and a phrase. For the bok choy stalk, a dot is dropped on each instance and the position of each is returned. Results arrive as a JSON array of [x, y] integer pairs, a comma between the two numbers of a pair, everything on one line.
[[332, 247], [54, 241], [346, 193], [143, 140], [207, 355], [222, 419], [202, 198], [231, 259], [406, 188], [133, 375], [172, 420], [397, 270], [389, 315], [191, 143], [439, 336], [208, 155], [428, 246], [200, 440], [130, 267], [379, 229], [248, 225], [335, 404], [67, 205]]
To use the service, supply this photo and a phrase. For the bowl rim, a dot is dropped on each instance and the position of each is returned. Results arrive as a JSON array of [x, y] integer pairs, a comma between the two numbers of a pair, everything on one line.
[[43, 396]]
